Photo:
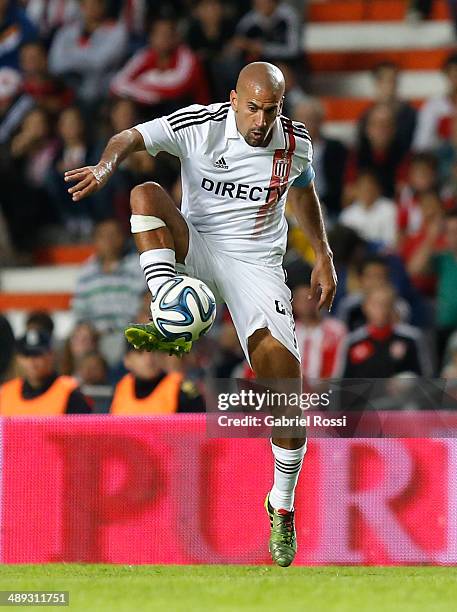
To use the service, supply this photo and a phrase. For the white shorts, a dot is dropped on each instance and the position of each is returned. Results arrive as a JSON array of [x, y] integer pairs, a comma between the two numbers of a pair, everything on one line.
[[257, 296]]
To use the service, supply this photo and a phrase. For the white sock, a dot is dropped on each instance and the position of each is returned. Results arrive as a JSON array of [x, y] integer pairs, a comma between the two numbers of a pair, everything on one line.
[[158, 265], [287, 468]]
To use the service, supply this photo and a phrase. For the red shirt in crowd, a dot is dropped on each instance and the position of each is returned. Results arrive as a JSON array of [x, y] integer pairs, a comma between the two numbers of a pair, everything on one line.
[[145, 82]]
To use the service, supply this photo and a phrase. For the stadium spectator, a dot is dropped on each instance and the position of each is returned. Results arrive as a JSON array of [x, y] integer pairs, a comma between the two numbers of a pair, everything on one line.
[[208, 34], [378, 151], [271, 31], [14, 106], [109, 288], [319, 339], [15, 30], [32, 151], [40, 321], [14, 103], [34, 146], [121, 114], [386, 78], [7, 350], [48, 92], [349, 250], [383, 348], [148, 389], [422, 178], [73, 151], [73, 140], [371, 215], [165, 75], [40, 391], [444, 266], [329, 155], [435, 116], [83, 340], [432, 227], [50, 15], [92, 370], [87, 53], [373, 273]]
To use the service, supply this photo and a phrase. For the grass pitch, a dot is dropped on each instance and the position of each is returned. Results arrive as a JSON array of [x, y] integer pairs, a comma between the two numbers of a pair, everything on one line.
[[239, 588]]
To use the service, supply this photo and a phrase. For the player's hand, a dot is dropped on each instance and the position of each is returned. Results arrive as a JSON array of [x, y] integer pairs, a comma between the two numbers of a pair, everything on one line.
[[323, 281], [89, 180]]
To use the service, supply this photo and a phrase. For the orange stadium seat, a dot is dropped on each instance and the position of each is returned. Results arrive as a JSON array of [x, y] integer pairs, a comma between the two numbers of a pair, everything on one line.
[[63, 254], [35, 301], [367, 10], [408, 59]]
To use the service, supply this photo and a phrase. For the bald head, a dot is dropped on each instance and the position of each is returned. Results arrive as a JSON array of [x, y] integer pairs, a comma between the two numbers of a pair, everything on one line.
[[257, 101], [261, 76]]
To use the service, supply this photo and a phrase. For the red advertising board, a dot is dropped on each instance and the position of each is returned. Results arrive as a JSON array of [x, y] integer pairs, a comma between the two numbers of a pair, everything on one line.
[[158, 490]]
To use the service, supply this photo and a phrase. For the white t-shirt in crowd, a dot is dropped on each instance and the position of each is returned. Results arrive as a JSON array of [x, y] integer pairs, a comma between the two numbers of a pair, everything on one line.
[[378, 223]]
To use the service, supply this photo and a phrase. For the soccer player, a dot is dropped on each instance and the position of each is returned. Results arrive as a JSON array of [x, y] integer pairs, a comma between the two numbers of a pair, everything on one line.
[[240, 160]]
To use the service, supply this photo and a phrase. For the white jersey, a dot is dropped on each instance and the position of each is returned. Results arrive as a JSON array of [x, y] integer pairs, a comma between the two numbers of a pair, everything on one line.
[[232, 193]]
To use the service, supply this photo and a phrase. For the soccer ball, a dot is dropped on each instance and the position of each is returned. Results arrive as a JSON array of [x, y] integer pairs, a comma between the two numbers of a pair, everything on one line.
[[183, 307]]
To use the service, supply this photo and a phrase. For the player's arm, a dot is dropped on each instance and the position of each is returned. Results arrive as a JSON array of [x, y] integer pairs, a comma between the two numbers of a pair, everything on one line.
[[92, 178], [306, 207]]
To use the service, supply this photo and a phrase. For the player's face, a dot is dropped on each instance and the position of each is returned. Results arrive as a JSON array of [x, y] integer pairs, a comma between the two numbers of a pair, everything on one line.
[[256, 111]]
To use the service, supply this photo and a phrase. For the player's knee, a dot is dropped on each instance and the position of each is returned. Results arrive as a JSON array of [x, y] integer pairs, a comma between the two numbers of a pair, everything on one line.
[[145, 199]]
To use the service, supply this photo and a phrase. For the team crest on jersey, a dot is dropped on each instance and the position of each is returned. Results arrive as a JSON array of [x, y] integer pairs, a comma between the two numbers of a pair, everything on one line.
[[281, 167]]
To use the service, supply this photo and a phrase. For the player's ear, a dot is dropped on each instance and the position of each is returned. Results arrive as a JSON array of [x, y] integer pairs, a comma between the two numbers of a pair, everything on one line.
[[234, 100]]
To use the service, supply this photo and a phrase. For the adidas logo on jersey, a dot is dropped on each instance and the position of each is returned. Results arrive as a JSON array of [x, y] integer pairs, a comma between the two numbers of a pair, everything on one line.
[[220, 163]]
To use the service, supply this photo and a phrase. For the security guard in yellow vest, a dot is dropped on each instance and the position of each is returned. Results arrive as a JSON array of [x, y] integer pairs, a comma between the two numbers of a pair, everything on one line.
[[40, 391], [148, 389]]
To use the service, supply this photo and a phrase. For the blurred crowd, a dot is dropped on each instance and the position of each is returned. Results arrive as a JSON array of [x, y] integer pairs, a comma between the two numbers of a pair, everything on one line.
[[75, 72]]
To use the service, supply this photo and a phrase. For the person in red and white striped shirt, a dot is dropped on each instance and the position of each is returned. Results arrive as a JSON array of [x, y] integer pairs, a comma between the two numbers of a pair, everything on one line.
[[319, 338]]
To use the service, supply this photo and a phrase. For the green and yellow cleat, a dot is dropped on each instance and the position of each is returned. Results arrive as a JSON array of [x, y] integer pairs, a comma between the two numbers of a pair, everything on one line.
[[283, 538], [146, 337]]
